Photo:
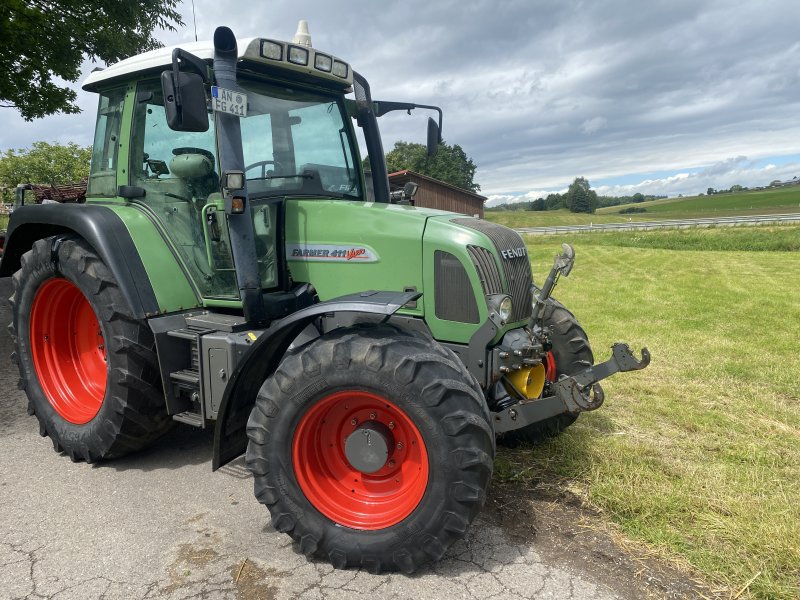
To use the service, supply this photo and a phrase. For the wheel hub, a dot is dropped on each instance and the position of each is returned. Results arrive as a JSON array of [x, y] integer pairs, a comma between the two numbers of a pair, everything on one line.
[[367, 448], [360, 460]]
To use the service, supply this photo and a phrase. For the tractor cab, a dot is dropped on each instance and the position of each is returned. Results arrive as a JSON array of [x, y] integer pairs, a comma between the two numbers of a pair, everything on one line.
[[215, 164]]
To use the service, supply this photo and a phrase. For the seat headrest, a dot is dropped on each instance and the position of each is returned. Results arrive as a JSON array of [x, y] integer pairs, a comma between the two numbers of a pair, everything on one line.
[[190, 166]]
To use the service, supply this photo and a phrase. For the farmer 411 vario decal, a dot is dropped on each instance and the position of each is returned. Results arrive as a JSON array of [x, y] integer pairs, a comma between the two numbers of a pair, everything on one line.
[[356, 253]]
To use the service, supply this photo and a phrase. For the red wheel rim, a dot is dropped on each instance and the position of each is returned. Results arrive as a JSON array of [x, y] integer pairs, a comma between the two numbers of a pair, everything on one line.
[[550, 373], [68, 351], [339, 491]]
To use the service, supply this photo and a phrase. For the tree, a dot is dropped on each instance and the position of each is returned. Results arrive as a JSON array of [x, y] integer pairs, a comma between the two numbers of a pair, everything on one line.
[[710, 191], [553, 202], [580, 198], [451, 164], [51, 164], [637, 197], [45, 39], [537, 204]]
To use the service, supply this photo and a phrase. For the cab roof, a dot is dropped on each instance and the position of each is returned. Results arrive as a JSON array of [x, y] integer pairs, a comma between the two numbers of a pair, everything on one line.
[[152, 60], [249, 49]]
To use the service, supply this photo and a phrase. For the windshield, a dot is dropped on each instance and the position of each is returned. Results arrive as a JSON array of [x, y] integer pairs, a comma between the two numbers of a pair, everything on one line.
[[297, 142]]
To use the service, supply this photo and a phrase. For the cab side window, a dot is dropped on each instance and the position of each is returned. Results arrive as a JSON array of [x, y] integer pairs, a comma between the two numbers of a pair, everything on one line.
[[103, 174], [178, 171]]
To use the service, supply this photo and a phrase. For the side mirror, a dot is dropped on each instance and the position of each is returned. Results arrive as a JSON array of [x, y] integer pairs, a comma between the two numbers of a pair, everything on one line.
[[434, 137], [184, 101], [410, 190]]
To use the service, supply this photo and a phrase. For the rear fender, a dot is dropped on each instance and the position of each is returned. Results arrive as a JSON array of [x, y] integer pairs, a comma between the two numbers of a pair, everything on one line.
[[101, 228], [230, 436]]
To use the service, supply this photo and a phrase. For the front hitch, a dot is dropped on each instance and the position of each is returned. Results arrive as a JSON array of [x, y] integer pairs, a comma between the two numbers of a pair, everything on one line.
[[572, 393], [581, 392]]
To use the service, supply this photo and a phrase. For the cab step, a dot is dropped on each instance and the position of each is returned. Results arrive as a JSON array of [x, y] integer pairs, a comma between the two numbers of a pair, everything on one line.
[[190, 418]]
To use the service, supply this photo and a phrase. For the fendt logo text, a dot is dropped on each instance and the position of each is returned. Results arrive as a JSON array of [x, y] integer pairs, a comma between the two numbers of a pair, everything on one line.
[[514, 253]]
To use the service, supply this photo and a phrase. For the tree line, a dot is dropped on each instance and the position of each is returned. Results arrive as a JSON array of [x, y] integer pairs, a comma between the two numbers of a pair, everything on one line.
[[578, 198]]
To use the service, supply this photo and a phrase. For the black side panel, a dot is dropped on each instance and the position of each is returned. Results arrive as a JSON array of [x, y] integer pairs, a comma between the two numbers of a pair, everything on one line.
[[101, 228], [454, 298], [230, 436]]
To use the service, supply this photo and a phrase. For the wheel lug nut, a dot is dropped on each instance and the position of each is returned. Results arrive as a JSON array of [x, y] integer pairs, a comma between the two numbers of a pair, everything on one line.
[[372, 415], [354, 422], [391, 424], [399, 445], [391, 463]]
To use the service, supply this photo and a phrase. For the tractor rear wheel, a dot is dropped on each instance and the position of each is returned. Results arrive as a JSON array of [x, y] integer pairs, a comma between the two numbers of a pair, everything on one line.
[[570, 354], [88, 368], [371, 447]]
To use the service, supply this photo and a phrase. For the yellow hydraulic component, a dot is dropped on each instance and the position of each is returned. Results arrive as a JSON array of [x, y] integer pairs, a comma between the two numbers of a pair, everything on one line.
[[530, 382]]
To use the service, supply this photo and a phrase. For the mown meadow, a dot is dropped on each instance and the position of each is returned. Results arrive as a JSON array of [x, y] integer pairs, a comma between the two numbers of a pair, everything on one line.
[[697, 456]]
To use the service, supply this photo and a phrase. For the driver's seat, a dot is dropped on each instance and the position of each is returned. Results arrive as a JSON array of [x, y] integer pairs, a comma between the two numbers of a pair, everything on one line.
[[198, 172]]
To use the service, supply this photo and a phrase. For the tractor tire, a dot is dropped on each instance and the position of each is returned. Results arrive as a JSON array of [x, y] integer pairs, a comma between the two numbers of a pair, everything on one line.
[[88, 367], [571, 353], [437, 432]]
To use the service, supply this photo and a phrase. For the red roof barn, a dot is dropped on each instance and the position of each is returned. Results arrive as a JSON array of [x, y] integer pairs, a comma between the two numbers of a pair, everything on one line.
[[433, 193]]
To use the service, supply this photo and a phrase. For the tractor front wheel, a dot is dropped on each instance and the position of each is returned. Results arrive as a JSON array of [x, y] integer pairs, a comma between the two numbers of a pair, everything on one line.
[[372, 448], [88, 368]]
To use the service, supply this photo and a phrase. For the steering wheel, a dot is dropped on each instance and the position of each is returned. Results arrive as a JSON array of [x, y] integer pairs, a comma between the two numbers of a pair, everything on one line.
[[263, 164]]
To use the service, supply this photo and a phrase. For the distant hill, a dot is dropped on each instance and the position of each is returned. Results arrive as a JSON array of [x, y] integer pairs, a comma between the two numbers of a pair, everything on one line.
[[758, 202]]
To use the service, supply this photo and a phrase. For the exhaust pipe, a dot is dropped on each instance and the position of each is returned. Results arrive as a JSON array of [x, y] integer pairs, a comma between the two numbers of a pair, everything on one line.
[[229, 135]]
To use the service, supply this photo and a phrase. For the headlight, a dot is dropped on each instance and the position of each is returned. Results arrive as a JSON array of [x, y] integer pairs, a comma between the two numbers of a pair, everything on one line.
[[298, 56], [505, 308]]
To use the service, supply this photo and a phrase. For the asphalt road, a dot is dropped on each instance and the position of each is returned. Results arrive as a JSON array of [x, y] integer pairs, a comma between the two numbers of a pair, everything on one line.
[[667, 224], [160, 524]]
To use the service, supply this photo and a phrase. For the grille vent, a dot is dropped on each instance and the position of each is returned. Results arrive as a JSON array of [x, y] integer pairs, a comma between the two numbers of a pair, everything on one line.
[[455, 299], [487, 270], [517, 269]]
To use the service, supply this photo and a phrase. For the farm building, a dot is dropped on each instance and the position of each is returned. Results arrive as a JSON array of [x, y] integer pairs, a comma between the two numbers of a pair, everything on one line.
[[433, 193]]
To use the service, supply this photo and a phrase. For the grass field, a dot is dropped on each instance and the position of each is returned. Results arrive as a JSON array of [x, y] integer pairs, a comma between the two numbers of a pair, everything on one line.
[[698, 456], [777, 201]]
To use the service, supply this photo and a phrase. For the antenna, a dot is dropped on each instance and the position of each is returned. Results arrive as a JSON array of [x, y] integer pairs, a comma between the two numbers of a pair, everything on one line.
[[194, 19]]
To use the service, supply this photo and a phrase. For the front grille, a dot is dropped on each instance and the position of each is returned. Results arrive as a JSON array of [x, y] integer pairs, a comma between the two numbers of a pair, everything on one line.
[[455, 300], [517, 268]]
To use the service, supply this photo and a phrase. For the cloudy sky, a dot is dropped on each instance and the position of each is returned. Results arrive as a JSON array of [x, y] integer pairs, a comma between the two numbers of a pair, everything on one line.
[[659, 97]]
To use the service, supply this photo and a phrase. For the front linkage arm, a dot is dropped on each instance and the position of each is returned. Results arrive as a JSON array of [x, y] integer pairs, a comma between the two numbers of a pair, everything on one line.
[[574, 394]]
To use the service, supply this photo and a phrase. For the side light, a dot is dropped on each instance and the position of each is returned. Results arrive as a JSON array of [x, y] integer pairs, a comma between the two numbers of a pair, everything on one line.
[[237, 205]]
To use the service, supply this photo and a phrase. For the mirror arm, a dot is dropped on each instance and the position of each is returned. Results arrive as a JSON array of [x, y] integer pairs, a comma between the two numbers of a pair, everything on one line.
[[178, 55], [382, 107]]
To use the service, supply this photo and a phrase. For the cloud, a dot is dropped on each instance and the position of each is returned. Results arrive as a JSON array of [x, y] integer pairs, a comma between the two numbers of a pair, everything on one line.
[[538, 93], [593, 125]]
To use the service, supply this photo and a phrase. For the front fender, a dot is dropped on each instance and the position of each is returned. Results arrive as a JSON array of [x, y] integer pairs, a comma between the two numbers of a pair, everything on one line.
[[101, 228], [230, 436]]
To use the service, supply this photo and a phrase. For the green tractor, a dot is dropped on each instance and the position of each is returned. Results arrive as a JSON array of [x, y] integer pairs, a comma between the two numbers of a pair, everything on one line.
[[229, 269]]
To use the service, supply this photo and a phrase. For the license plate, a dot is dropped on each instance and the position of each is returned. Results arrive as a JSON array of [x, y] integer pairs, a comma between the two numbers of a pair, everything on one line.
[[228, 101]]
